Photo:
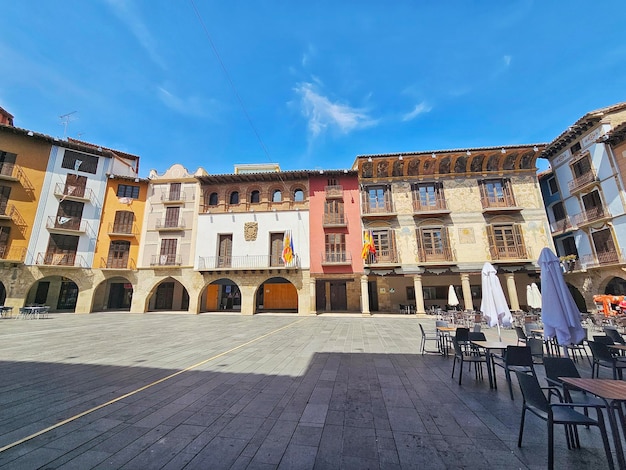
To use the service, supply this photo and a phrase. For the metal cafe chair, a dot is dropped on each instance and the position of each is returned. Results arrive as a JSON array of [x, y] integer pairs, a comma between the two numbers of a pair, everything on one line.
[[557, 413]]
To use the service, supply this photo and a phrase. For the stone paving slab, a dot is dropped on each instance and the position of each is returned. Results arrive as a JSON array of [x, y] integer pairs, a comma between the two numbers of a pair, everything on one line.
[[165, 391]]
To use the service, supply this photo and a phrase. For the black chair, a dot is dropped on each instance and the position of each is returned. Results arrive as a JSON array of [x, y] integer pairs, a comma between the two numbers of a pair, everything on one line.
[[614, 335], [602, 357], [517, 359], [462, 356], [536, 349], [428, 336], [557, 413], [579, 348], [556, 367], [603, 339], [521, 335]]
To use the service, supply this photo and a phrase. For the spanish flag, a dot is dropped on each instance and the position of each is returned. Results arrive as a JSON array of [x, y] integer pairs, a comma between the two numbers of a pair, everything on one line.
[[368, 244], [287, 255]]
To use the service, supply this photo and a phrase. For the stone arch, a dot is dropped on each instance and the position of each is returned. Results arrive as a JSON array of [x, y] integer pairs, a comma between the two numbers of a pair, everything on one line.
[[382, 169], [167, 294], [249, 192], [578, 297], [398, 168], [113, 293], [510, 161], [222, 294], [276, 294], [60, 293], [476, 164], [297, 187], [615, 286], [493, 163]]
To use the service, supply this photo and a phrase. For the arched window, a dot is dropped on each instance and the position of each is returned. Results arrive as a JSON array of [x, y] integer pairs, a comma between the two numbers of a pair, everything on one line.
[[298, 195], [234, 197], [255, 197], [277, 196], [213, 199]]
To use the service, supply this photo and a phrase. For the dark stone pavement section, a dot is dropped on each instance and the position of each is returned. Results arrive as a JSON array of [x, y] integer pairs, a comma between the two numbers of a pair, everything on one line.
[[326, 392]]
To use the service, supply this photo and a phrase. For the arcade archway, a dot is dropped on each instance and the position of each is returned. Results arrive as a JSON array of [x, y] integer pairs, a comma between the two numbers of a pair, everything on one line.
[[169, 294], [115, 293], [276, 294], [58, 292], [221, 295]]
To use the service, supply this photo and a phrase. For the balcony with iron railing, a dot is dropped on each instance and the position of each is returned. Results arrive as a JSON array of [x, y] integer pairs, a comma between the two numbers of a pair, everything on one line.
[[509, 252], [377, 208], [207, 263], [334, 191], [6, 211], [582, 182], [170, 224], [173, 197], [560, 226], [504, 202], [334, 220], [118, 263], [63, 224], [436, 255], [12, 254], [8, 171], [123, 229], [336, 258], [72, 192], [61, 259], [165, 260], [430, 207], [590, 216], [382, 257], [602, 259]]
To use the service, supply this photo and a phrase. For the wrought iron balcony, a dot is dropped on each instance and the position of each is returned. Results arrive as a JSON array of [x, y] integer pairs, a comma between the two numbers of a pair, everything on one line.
[[436, 255], [61, 259], [334, 191], [334, 258], [170, 224], [504, 201], [12, 254], [123, 230], [165, 260], [559, 226], [118, 263], [8, 171], [602, 258], [334, 220], [581, 182], [382, 257], [512, 252], [63, 224], [206, 263], [589, 216], [72, 192], [173, 197], [430, 207], [378, 208]]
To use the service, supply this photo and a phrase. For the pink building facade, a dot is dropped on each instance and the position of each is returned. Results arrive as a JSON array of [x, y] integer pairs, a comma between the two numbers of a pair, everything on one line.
[[335, 241]]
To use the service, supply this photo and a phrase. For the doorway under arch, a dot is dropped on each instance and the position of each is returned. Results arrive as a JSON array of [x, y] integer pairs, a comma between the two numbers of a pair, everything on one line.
[[168, 294], [276, 294], [115, 293], [58, 292], [3, 293], [221, 295], [616, 286], [578, 298]]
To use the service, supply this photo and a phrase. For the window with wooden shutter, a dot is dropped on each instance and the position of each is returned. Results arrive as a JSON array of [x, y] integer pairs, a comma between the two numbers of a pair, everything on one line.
[[4, 241], [5, 193], [168, 251], [174, 192], [225, 253], [124, 221], [75, 185], [276, 249], [118, 254], [172, 217], [69, 215]]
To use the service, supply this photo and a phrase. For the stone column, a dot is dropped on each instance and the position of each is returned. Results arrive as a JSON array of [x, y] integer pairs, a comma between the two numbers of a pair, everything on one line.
[[419, 294], [312, 296], [467, 292], [247, 299], [512, 288], [365, 301]]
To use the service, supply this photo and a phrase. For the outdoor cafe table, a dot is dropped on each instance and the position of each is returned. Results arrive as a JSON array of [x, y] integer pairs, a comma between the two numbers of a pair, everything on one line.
[[613, 393], [445, 332], [490, 346], [34, 311]]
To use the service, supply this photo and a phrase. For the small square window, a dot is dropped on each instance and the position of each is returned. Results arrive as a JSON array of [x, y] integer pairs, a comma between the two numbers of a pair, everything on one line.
[[552, 186]]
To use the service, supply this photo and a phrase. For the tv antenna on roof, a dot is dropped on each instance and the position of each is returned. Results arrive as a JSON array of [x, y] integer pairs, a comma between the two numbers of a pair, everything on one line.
[[65, 120]]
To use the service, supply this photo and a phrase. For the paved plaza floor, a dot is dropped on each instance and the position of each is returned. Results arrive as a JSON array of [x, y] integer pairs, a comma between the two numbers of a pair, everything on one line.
[[173, 391]]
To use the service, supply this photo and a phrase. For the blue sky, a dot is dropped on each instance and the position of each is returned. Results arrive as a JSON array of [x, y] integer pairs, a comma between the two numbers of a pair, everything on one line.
[[307, 84]]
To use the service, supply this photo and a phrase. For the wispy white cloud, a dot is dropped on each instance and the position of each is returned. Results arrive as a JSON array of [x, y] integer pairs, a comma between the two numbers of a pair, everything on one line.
[[127, 13], [190, 106], [419, 108], [310, 53], [324, 115], [507, 60]]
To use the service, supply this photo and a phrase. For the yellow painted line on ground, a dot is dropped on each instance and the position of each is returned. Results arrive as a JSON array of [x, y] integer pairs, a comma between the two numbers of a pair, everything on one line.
[[141, 389]]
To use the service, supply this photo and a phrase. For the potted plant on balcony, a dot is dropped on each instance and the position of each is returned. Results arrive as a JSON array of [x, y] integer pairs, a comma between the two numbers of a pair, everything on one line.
[[568, 262]]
